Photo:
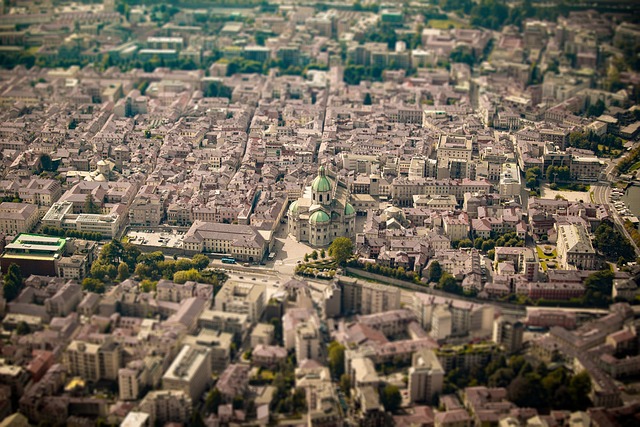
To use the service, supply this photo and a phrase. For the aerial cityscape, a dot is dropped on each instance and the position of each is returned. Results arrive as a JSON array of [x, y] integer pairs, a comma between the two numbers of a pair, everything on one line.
[[320, 213]]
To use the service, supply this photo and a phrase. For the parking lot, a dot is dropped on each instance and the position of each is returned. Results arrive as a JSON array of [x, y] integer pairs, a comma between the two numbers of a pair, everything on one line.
[[157, 239]]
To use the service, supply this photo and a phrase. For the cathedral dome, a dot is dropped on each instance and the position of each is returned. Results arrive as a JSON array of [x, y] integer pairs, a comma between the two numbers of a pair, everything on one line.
[[319, 217], [321, 183], [293, 208], [349, 210]]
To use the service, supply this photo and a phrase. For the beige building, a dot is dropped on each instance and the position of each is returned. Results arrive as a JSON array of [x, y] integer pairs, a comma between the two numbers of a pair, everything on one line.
[[164, 406], [242, 242], [61, 215], [147, 209], [218, 343], [426, 377], [242, 298], [262, 334], [16, 218], [307, 342], [366, 297], [454, 156], [41, 192], [574, 247], [190, 372], [93, 362]]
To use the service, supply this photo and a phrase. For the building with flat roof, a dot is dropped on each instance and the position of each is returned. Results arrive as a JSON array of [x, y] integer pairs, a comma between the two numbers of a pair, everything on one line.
[[426, 377], [242, 298], [164, 406], [34, 254], [190, 372], [61, 215]]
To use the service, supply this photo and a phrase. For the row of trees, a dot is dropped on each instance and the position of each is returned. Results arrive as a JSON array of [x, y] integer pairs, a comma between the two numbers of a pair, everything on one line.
[[594, 142], [612, 244], [527, 385], [13, 284], [630, 160], [60, 232]]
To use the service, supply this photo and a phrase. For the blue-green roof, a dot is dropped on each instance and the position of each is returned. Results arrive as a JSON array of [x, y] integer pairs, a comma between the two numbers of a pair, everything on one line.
[[349, 210], [319, 217], [293, 208], [321, 183]]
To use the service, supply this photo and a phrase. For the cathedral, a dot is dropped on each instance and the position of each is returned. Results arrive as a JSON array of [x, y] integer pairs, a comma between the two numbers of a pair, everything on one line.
[[322, 213]]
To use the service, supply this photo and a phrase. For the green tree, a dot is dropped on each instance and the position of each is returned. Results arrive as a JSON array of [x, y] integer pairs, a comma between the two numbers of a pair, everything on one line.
[[345, 384], [323, 254], [213, 400], [12, 282], [47, 164], [341, 249], [90, 284], [123, 271], [598, 287], [200, 261], [367, 99], [336, 359], [465, 243], [314, 255], [391, 398], [90, 206], [435, 271], [187, 275], [22, 328], [448, 283]]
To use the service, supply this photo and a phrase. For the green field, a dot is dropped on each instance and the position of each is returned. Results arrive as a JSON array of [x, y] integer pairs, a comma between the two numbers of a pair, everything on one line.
[[444, 24]]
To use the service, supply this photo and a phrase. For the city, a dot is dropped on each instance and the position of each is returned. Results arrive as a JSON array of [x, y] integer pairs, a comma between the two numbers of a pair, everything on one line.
[[320, 214]]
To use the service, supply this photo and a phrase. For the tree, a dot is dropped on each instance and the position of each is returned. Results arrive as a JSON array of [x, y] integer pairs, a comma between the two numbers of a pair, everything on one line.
[[123, 271], [336, 359], [323, 254], [90, 206], [598, 287], [435, 271], [22, 328], [465, 243], [314, 255], [367, 99], [213, 400], [12, 282], [612, 243], [448, 283], [200, 261], [345, 384], [391, 398], [47, 164], [90, 284], [341, 249]]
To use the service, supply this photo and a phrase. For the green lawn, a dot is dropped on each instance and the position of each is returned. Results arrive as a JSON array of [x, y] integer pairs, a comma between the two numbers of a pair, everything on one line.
[[444, 24], [542, 255]]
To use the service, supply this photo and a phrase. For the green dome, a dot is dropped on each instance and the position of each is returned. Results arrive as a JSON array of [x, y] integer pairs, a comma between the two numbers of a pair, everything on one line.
[[293, 207], [349, 210], [319, 217], [321, 183]]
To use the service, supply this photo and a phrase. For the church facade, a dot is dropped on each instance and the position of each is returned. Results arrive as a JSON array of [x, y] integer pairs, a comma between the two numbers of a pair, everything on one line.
[[322, 213]]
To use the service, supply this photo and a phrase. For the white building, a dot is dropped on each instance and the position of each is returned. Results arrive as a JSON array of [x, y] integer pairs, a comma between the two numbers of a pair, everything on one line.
[[242, 298], [190, 372], [426, 377], [323, 213]]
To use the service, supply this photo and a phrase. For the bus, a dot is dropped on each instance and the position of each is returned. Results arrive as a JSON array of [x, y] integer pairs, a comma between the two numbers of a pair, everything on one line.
[[228, 260]]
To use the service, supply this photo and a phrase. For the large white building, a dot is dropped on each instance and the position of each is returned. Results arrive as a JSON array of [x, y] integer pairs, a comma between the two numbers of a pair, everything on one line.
[[242, 298], [323, 212], [426, 377], [574, 248], [61, 215], [17, 218], [190, 372], [242, 242]]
